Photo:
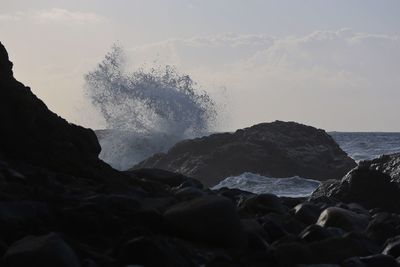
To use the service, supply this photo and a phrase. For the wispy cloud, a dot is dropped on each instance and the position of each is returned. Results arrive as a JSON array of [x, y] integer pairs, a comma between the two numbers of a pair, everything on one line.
[[54, 15]]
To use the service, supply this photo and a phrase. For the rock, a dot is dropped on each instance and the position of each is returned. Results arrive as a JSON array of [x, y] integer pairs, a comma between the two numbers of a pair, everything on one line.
[[209, 219], [307, 213], [291, 253], [370, 188], [30, 132], [262, 204], [383, 226], [392, 247], [316, 232], [46, 250], [377, 260], [277, 149], [388, 164], [337, 249], [345, 219], [165, 177], [150, 252]]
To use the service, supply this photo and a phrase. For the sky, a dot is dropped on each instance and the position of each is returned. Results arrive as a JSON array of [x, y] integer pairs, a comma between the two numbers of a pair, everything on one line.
[[330, 64]]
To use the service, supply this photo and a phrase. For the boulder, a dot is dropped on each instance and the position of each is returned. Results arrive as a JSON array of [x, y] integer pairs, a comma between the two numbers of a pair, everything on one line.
[[392, 247], [262, 204], [208, 219], [388, 164], [342, 218], [377, 260], [370, 188], [46, 250], [277, 149]]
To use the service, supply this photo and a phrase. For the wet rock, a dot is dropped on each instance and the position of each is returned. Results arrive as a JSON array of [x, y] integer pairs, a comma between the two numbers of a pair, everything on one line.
[[388, 164], [316, 232], [337, 249], [291, 253], [262, 204], [151, 252], [383, 226], [377, 260], [392, 247], [209, 219], [46, 250], [277, 149], [307, 213], [345, 219], [369, 188]]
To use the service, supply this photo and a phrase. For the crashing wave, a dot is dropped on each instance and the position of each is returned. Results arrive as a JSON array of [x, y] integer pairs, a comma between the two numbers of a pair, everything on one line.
[[158, 107]]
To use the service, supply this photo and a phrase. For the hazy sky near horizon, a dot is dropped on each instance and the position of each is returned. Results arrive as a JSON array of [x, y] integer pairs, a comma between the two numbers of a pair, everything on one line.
[[330, 64]]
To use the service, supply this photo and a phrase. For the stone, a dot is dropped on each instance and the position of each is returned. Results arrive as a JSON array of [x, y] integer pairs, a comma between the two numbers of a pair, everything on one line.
[[277, 149], [209, 219], [345, 219], [46, 250]]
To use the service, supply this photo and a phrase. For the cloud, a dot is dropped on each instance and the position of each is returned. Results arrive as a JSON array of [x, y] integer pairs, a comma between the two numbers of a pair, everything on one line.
[[53, 15], [332, 79]]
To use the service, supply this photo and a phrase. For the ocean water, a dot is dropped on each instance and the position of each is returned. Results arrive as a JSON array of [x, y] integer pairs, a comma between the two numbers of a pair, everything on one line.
[[359, 146]]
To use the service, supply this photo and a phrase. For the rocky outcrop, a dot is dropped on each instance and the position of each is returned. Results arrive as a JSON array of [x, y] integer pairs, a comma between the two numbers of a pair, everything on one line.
[[388, 164], [31, 133], [370, 188], [277, 149]]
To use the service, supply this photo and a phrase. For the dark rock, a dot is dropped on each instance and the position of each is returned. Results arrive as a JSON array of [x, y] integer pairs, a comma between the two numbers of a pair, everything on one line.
[[316, 232], [47, 250], [32, 134], [345, 219], [338, 249], [262, 204], [388, 164], [165, 177], [377, 260], [370, 188], [392, 247], [383, 226], [151, 252], [277, 149], [208, 219], [307, 213], [291, 253]]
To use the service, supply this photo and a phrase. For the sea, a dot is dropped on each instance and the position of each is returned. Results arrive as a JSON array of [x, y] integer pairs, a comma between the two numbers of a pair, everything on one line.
[[358, 145]]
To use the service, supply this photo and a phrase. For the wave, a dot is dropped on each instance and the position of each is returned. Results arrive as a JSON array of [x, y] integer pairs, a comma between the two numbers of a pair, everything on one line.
[[258, 184], [146, 111]]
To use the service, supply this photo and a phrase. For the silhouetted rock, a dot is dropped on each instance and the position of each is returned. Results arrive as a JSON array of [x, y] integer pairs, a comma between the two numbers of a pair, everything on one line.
[[47, 250], [209, 219], [370, 188], [277, 149], [32, 133]]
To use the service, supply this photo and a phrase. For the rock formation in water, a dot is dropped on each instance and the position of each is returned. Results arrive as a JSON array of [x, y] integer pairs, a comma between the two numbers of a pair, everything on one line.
[[61, 206], [277, 149]]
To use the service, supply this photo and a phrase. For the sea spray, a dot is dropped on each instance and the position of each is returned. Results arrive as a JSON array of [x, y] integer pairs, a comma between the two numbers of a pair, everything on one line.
[[146, 111]]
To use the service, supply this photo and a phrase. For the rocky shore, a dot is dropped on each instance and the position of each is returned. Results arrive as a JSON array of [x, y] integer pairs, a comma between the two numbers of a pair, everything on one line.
[[62, 206]]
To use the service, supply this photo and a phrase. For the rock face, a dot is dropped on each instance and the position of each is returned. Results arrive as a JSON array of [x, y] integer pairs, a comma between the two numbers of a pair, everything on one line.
[[30, 132], [277, 149], [389, 164], [370, 188]]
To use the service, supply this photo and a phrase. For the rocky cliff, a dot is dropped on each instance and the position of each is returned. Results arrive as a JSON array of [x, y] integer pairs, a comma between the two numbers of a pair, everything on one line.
[[277, 149]]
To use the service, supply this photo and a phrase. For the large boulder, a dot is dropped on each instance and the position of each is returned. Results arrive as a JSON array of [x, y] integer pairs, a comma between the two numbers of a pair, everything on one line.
[[370, 188], [277, 149], [46, 250], [207, 219]]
